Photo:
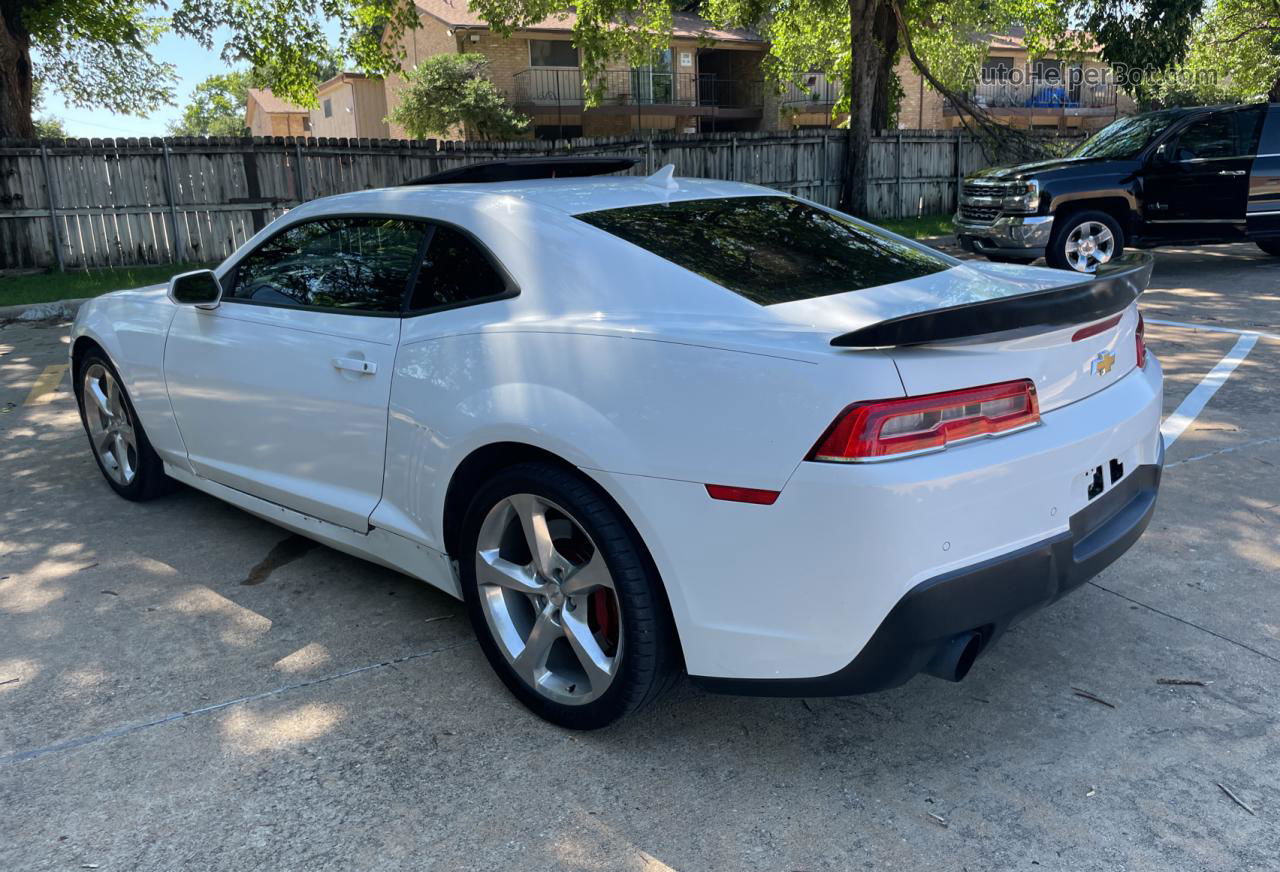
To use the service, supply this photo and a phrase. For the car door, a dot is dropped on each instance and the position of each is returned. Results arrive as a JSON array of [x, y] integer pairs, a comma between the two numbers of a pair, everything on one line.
[[282, 390], [1197, 186]]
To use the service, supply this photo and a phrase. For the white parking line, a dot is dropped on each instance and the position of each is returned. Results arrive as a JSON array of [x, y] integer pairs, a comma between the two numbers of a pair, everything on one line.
[[1193, 404]]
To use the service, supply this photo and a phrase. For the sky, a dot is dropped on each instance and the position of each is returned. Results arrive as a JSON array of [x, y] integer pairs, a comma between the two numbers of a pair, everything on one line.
[[193, 62]]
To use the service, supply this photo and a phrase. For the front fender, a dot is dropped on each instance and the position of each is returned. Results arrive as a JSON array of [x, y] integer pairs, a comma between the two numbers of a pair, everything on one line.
[[131, 327]]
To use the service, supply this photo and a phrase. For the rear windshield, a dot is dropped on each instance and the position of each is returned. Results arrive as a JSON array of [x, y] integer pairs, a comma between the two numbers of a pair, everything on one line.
[[769, 249]]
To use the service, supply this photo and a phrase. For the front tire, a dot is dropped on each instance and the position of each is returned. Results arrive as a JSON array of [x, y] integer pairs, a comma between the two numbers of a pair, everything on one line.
[[1270, 246], [119, 444], [563, 598], [1084, 241]]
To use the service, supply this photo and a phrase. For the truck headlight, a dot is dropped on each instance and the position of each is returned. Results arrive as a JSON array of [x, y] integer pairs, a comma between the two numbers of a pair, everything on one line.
[[1022, 196]]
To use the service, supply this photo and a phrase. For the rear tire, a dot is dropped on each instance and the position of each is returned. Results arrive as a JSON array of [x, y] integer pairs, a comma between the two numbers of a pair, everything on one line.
[[119, 444], [563, 598], [1083, 241], [1270, 246]]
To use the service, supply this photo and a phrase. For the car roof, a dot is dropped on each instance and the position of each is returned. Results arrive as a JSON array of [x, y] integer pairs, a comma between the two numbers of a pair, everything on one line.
[[575, 196]]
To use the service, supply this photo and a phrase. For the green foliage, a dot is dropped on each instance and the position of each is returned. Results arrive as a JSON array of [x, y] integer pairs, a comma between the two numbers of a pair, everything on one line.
[[1148, 35], [284, 40], [96, 52], [446, 92], [1234, 56], [50, 127], [217, 106]]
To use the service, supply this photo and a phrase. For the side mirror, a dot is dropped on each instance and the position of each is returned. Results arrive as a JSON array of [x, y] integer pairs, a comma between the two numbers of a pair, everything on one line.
[[199, 288]]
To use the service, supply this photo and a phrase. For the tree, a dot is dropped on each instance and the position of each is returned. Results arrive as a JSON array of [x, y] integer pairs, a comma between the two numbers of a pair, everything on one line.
[[446, 92], [49, 127], [94, 53], [217, 107], [1234, 56], [98, 52]]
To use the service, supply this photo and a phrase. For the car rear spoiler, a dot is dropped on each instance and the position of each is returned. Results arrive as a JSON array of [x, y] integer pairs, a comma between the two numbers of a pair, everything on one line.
[[1110, 290]]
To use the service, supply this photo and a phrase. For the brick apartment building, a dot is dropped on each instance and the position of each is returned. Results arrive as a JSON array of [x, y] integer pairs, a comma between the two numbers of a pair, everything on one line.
[[1042, 93], [708, 79]]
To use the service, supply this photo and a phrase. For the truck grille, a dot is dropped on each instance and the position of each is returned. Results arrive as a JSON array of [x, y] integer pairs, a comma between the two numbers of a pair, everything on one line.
[[978, 189], [985, 214]]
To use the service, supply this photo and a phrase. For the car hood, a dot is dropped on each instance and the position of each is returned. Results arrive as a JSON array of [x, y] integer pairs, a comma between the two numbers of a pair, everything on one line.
[[1056, 166]]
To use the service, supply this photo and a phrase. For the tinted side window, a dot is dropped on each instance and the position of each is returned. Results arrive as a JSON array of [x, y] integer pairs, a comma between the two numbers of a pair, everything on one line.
[[769, 249], [349, 264], [454, 271], [1249, 128], [1210, 137]]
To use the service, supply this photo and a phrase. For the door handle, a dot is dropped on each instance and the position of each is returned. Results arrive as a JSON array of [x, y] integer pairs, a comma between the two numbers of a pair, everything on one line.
[[364, 367], [1231, 172]]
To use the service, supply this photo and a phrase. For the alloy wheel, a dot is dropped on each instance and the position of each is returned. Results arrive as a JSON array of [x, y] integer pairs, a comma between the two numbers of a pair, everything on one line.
[[549, 599], [1090, 244], [111, 430]]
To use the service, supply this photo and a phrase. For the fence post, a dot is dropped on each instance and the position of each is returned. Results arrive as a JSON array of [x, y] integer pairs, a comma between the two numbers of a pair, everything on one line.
[[826, 169], [302, 176], [733, 159], [902, 196], [53, 206], [959, 165], [172, 190]]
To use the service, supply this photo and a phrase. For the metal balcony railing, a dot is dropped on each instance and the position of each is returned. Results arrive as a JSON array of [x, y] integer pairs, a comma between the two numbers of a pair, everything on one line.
[[562, 86], [1052, 94], [814, 88]]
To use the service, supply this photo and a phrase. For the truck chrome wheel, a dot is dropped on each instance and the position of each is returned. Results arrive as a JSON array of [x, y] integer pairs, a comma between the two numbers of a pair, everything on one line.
[[1088, 245], [549, 599], [111, 429]]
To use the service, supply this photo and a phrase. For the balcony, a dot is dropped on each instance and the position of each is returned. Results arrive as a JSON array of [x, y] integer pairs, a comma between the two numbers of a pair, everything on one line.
[[813, 94], [1006, 97], [638, 92]]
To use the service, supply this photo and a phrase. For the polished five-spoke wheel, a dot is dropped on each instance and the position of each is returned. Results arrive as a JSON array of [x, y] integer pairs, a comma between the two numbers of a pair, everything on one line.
[[563, 597], [549, 599], [120, 445], [111, 429]]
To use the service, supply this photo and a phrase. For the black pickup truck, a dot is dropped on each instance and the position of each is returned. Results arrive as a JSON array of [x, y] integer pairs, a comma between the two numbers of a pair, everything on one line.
[[1196, 176]]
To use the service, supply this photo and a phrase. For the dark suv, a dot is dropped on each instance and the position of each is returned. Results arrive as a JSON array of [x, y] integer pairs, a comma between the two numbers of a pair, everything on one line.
[[1195, 176]]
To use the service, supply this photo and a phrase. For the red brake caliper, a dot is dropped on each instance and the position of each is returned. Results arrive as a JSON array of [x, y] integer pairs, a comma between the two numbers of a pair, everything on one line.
[[604, 615]]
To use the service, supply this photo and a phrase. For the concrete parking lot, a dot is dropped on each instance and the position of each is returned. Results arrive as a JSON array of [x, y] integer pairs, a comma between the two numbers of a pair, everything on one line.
[[183, 686]]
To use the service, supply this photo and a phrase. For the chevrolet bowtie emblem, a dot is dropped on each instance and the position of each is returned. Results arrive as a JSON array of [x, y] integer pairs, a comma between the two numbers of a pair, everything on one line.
[[1102, 364]]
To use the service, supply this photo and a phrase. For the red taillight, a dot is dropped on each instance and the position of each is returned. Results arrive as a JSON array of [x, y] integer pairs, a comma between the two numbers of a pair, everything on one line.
[[1140, 336], [742, 494], [891, 428]]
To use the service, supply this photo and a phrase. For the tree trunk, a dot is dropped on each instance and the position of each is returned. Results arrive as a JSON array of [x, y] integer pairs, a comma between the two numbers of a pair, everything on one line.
[[15, 76], [864, 75], [886, 34]]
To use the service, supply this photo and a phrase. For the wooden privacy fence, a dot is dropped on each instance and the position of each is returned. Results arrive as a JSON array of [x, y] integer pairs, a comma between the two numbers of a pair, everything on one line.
[[93, 203]]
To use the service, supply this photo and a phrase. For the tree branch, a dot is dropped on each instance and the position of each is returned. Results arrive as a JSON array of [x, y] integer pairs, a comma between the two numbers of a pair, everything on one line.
[[998, 141]]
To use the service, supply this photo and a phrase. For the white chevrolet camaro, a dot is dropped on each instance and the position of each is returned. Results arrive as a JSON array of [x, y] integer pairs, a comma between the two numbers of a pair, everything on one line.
[[649, 426]]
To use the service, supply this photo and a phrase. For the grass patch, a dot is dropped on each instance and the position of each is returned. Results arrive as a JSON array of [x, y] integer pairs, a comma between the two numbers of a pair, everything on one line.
[[918, 228], [52, 286]]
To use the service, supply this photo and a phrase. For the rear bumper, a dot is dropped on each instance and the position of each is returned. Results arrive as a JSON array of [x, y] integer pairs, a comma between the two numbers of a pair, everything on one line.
[[1011, 236], [987, 598], [797, 590]]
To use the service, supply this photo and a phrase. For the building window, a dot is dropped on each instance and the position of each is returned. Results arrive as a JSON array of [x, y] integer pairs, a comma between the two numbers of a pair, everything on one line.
[[328, 108], [552, 53]]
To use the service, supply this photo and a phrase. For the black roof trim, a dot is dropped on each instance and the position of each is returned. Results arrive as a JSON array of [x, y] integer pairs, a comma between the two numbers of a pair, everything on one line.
[[521, 169], [1115, 286]]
